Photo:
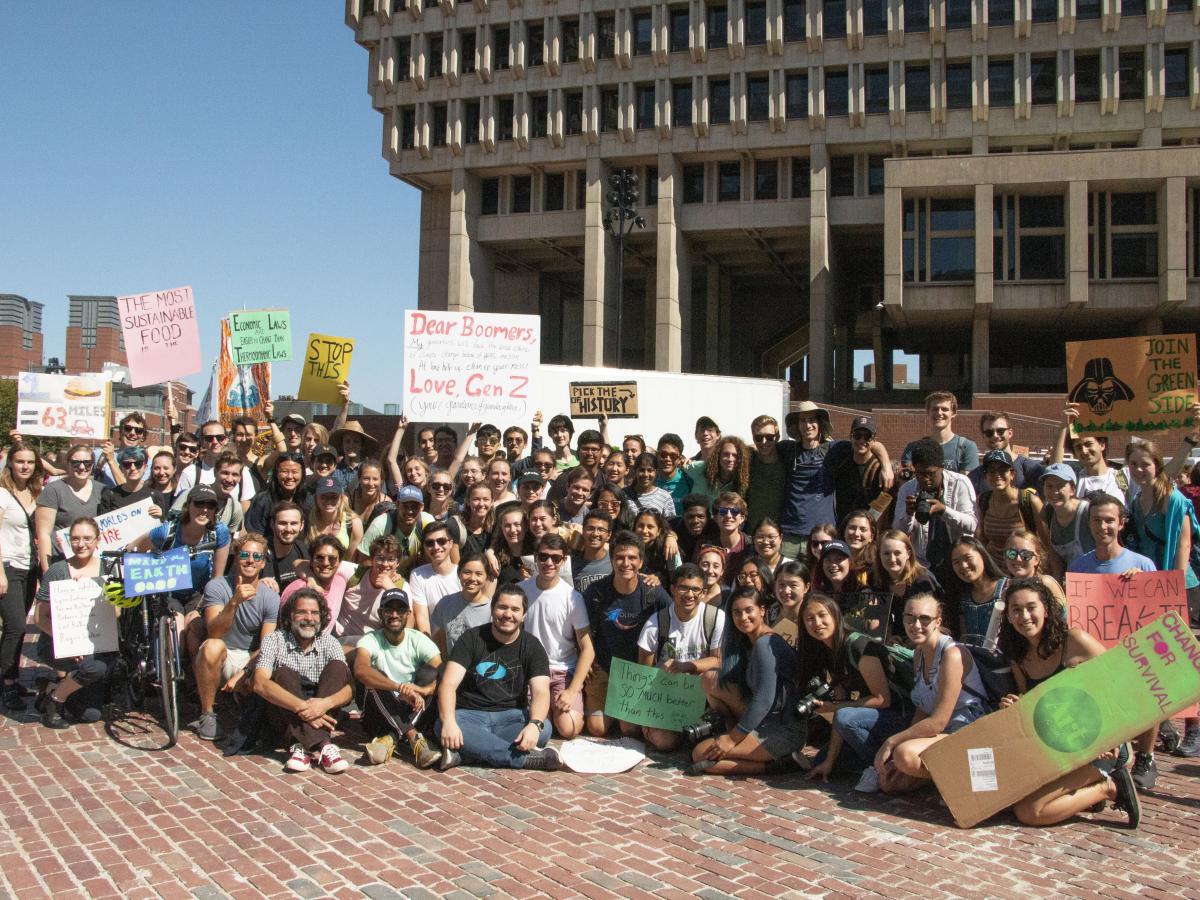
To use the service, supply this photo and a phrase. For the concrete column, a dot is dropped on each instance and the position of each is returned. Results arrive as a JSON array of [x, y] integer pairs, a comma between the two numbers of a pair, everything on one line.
[[460, 284], [1172, 257], [674, 273], [882, 359], [434, 244], [712, 318], [893, 248], [599, 272], [981, 356], [1077, 244], [1150, 325], [821, 301], [649, 329], [983, 243]]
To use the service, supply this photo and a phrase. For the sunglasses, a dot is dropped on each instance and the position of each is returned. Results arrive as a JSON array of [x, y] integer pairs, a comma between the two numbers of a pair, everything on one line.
[[440, 486], [926, 621], [133, 464], [862, 435], [244, 555], [133, 429], [219, 438], [205, 504], [82, 464], [731, 512], [437, 542], [665, 454], [393, 614], [1023, 555], [544, 465], [555, 558], [995, 432], [329, 560], [767, 438], [188, 448]]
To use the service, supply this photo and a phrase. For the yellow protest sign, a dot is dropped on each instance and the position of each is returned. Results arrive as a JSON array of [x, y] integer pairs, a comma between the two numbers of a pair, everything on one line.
[[326, 363], [1132, 385]]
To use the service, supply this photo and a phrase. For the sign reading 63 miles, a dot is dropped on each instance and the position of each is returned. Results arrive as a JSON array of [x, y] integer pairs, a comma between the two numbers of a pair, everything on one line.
[[73, 406]]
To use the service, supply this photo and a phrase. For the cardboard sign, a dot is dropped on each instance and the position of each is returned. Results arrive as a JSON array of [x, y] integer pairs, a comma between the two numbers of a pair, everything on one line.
[[118, 529], [261, 336], [73, 406], [615, 399], [326, 364], [1067, 721], [240, 390], [1132, 384], [162, 340], [157, 573], [868, 612], [646, 695], [82, 622], [470, 367], [1108, 608]]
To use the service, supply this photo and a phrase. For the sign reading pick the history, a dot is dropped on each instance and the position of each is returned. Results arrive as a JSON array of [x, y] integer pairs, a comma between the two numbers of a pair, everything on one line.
[[615, 399], [1132, 384]]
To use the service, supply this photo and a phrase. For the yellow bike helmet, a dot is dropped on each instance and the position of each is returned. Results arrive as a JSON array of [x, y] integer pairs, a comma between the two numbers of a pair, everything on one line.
[[114, 593]]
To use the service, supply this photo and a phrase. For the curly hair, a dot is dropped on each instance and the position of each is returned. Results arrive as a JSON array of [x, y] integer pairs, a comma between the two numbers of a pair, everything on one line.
[[740, 482], [289, 608], [1054, 630]]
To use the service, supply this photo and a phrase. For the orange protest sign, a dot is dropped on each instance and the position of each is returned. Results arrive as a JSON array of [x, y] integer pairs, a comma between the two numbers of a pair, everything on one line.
[[1108, 607], [1135, 384]]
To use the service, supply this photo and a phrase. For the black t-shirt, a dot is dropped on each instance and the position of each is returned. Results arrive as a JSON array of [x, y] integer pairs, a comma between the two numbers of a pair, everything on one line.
[[847, 674], [849, 492], [689, 543], [617, 619], [497, 674], [118, 498], [283, 568]]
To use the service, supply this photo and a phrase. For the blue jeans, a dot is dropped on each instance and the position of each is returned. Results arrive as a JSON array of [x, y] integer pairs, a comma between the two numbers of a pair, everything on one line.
[[488, 737], [864, 729]]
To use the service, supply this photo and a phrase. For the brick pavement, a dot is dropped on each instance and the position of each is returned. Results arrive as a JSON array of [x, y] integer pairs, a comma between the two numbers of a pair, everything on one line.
[[81, 815]]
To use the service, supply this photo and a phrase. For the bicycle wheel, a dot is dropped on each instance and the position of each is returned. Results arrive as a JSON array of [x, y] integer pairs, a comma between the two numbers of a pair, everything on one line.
[[168, 651]]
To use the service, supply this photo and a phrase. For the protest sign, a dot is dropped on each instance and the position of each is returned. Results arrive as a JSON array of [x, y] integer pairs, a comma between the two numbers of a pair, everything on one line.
[[615, 399], [1108, 607], [326, 363], [162, 340], [82, 621], [1132, 384], [594, 756], [469, 367], [74, 406], [118, 528], [868, 612], [646, 695], [261, 336], [156, 573], [241, 390], [1067, 721]]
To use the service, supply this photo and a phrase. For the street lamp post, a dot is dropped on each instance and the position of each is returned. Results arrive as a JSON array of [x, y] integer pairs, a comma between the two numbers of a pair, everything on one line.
[[619, 220]]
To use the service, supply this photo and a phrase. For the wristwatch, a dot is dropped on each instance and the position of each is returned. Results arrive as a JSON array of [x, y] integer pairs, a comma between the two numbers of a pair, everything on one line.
[[539, 723]]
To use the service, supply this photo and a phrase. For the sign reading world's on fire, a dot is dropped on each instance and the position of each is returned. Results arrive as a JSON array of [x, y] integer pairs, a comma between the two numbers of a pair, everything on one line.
[[470, 367]]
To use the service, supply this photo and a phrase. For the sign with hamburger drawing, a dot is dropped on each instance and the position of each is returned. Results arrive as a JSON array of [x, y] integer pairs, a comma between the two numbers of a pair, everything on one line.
[[73, 406]]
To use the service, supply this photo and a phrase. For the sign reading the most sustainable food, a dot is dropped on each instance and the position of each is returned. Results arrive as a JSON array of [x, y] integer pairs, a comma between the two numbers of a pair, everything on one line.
[[1132, 384], [162, 340], [72, 406], [467, 367], [261, 336], [326, 364]]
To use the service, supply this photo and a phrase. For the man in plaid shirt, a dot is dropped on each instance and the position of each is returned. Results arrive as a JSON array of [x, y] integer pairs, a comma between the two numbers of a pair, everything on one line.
[[301, 672]]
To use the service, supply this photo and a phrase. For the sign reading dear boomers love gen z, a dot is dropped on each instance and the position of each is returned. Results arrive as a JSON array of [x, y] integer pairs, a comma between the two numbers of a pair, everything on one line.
[[468, 367]]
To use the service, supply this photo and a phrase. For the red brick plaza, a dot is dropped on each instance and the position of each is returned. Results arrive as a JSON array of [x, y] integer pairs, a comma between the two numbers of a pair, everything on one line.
[[85, 816]]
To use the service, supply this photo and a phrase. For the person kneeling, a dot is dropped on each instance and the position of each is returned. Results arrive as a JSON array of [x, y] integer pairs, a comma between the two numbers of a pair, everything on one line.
[[398, 667], [481, 699], [301, 672]]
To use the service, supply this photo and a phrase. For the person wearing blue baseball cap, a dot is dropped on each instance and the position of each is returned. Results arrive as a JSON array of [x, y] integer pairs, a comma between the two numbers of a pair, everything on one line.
[[1063, 525], [406, 523]]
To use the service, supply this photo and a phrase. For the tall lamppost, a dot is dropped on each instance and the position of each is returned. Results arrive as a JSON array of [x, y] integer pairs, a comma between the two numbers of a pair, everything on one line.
[[619, 220]]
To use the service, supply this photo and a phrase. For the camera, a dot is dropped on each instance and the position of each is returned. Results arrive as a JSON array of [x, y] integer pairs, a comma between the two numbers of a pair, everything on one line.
[[925, 500], [815, 691], [705, 728]]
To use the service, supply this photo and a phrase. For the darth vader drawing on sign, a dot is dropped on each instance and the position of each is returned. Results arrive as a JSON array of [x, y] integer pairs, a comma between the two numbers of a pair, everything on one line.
[[1100, 388]]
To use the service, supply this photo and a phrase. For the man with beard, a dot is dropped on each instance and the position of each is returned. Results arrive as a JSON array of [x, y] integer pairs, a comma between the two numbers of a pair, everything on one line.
[[301, 673]]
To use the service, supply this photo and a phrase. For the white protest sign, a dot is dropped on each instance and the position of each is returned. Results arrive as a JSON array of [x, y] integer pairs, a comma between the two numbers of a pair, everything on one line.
[[82, 621], [73, 406], [118, 528], [601, 757], [468, 367]]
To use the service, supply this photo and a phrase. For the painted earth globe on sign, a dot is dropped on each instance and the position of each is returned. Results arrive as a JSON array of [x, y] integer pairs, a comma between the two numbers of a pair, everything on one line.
[[1067, 719]]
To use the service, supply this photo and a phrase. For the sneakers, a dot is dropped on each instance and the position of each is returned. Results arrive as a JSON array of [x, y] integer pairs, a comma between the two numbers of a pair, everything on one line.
[[424, 756], [868, 782], [804, 762], [450, 759], [331, 760], [1190, 745], [299, 761], [206, 727], [1144, 772], [1127, 798], [545, 758], [1168, 736], [381, 749]]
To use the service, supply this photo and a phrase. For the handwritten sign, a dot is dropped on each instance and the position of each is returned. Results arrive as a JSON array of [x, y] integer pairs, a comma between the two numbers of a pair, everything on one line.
[[162, 340], [646, 695], [74, 406], [1109, 608], [82, 622], [615, 399], [261, 336], [467, 367], [326, 362], [868, 612], [156, 573], [1132, 384], [118, 528]]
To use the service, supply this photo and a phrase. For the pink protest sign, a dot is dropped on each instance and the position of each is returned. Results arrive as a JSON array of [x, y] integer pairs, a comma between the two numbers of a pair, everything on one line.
[[162, 341]]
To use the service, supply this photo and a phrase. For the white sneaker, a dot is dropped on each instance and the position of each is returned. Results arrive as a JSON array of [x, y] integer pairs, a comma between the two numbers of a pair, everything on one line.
[[331, 759], [299, 760], [868, 782]]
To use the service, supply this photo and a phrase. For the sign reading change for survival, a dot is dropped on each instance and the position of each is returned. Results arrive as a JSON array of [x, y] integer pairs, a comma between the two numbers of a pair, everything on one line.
[[468, 367], [1133, 384]]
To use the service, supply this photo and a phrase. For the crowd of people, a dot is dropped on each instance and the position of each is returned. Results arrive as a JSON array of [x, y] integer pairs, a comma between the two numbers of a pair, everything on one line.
[[464, 599]]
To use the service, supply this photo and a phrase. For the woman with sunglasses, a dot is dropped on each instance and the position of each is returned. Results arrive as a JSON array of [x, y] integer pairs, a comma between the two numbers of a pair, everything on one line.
[[818, 537], [75, 496], [729, 512], [326, 571], [187, 450], [132, 463], [20, 483], [440, 492], [645, 493], [611, 500], [286, 484], [1024, 557]]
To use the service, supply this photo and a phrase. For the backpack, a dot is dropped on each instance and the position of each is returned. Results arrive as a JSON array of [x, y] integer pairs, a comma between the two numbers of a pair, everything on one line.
[[897, 662], [994, 671], [1024, 502], [664, 627]]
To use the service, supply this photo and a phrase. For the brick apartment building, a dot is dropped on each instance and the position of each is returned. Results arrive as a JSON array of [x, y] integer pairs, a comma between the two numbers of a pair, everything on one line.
[[20, 335], [93, 334]]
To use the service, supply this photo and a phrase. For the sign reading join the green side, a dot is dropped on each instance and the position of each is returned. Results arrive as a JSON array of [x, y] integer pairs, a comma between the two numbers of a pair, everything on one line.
[[261, 336], [648, 696]]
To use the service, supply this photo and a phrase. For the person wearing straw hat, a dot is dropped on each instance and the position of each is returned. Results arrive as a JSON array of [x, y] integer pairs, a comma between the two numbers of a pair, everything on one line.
[[353, 445]]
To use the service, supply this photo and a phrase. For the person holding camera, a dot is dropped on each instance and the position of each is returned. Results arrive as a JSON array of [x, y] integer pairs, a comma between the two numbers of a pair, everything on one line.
[[755, 686], [934, 508]]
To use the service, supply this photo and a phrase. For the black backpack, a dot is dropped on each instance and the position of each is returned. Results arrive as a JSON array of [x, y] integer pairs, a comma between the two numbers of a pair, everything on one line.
[[897, 662], [994, 671], [664, 627]]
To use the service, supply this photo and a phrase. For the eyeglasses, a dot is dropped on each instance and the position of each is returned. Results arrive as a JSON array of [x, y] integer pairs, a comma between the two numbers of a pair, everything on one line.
[[1023, 555], [219, 438], [244, 555], [731, 512], [292, 426], [84, 464], [595, 529], [440, 486], [687, 591], [388, 561], [133, 429], [326, 560], [995, 432], [437, 542], [767, 437], [555, 558], [747, 577], [926, 621]]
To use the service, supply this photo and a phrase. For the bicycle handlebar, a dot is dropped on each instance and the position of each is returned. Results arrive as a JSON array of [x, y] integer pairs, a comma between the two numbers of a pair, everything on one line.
[[192, 551]]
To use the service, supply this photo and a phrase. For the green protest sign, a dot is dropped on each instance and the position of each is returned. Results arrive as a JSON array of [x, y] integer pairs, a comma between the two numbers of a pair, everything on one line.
[[260, 336], [645, 695]]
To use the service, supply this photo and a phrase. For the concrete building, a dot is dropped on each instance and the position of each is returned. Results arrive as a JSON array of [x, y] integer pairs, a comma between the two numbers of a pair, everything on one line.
[[20, 335], [973, 181], [93, 334]]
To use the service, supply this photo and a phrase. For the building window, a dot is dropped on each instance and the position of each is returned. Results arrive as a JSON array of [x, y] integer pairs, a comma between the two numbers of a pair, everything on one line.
[[766, 179], [467, 55], [435, 56], [681, 103], [522, 193], [573, 112], [438, 138], [795, 13], [796, 93], [489, 196], [958, 85], [408, 127], [680, 26], [916, 16], [875, 20], [729, 182], [643, 29], [1193, 226], [1132, 74], [606, 36], [1043, 76], [1087, 77], [875, 175], [834, 17], [939, 239], [1122, 235], [580, 189], [801, 177], [1087, 9], [570, 40], [916, 88], [841, 176], [877, 89], [1028, 239], [650, 180], [756, 23], [471, 123], [1045, 11], [1176, 63], [1000, 83], [504, 119], [693, 183], [837, 92], [758, 99], [536, 45], [554, 191], [644, 106], [1000, 12], [403, 58], [1179, 6], [958, 14], [539, 114], [1132, 8], [500, 48], [609, 104], [718, 102], [718, 22]]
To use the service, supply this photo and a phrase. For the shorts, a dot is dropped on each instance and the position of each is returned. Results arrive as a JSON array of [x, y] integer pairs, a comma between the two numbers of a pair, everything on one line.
[[595, 691], [779, 736], [794, 546], [964, 717], [185, 605], [235, 661], [559, 681]]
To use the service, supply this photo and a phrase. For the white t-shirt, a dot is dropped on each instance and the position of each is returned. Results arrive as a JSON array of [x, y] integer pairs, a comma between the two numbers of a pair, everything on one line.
[[427, 588], [14, 532], [685, 640], [187, 480], [553, 617]]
